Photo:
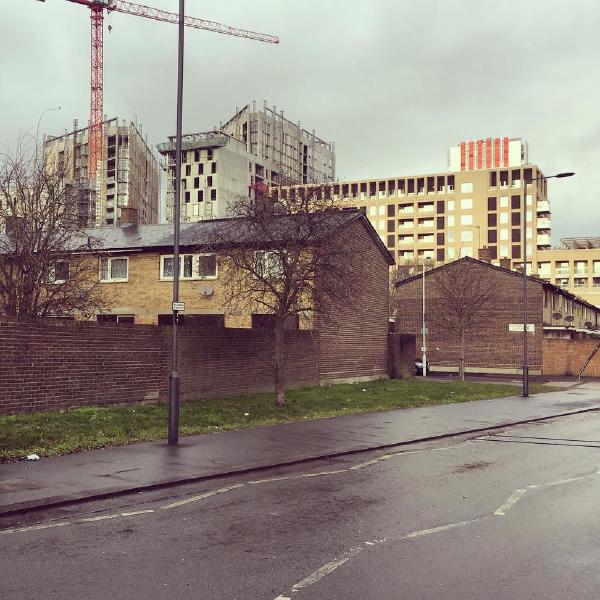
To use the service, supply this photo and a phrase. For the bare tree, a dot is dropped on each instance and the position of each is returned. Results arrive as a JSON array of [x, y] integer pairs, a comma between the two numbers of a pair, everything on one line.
[[285, 260], [45, 264], [463, 292]]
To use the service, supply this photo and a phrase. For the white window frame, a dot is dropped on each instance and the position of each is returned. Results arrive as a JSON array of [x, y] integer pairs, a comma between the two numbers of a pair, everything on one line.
[[110, 259], [51, 276], [272, 270], [195, 276]]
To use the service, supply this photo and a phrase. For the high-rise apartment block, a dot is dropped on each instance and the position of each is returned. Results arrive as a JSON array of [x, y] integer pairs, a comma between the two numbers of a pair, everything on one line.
[[471, 209], [255, 148], [128, 176]]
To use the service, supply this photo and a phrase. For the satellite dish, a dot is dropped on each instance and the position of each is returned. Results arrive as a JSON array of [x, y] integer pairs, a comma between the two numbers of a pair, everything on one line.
[[569, 318], [557, 315], [207, 291]]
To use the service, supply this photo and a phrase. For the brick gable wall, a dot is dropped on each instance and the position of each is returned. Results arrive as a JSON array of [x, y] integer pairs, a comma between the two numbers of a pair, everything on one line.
[[565, 353], [354, 338], [489, 346]]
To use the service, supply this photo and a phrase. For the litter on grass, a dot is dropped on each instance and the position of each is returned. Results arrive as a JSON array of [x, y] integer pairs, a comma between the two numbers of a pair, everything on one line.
[[33, 457]]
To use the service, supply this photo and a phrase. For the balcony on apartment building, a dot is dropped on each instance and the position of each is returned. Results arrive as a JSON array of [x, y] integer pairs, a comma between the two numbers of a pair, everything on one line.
[[544, 223], [406, 224], [425, 223], [406, 208], [543, 206], [425, 207], [543, 240]]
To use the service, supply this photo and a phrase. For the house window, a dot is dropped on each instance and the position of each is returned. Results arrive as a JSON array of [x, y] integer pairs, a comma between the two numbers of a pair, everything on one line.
[[191, 266], [268, 264], [59, 272], [115, 318], [213, 194], [114, 269], [213, 167], [201, 169]]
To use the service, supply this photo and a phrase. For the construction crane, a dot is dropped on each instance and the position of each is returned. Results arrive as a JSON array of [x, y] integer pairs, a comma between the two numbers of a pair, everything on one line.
[[97, 9]]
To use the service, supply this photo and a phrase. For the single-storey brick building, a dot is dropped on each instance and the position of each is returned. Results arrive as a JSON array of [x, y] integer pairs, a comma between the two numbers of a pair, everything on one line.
[[565, 327]]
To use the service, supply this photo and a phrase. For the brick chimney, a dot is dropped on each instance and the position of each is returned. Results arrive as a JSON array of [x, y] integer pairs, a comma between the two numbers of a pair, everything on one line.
[[129, 216], [484, 254], [505, 263]]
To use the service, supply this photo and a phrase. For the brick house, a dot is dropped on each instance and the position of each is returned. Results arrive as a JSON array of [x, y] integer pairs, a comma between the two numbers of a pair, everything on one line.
[[563, 325]]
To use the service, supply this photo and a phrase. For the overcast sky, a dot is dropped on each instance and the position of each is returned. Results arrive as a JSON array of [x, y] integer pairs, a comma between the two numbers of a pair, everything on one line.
[[393, 82]]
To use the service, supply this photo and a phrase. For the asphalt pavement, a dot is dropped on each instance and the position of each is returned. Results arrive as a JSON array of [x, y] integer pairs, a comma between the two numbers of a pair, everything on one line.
[[27, 485], [507, 514]]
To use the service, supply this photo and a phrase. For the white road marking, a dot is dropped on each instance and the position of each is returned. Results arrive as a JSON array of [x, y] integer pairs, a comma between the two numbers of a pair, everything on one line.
[[423, 532], [512, 500], [36, 527], [136, 512], [100, 518], [325, 570], [203, 496]]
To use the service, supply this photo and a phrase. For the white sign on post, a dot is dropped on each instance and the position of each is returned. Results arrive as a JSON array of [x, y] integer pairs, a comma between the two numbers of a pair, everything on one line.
[[179, 306], [519, 327]]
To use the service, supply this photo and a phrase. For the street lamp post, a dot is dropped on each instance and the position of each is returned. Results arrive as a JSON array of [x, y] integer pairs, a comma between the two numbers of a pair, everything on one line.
[[524, 256], [37, 129], [173, 433]]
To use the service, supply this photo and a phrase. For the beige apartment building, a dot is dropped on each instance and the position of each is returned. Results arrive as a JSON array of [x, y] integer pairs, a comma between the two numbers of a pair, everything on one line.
[[574, 266], [447, 215]]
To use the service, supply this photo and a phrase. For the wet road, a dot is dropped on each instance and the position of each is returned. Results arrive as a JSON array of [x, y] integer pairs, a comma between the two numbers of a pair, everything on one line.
[[509, 515]]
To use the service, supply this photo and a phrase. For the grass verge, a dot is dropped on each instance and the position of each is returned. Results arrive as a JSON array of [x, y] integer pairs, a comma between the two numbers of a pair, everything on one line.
[[53, 433]]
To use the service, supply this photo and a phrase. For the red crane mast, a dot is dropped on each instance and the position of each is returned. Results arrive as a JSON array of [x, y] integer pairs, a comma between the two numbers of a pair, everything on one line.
[[97, 9]]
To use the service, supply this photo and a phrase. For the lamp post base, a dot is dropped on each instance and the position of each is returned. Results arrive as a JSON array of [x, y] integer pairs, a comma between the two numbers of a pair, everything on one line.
[[525, 381], [173, 438]]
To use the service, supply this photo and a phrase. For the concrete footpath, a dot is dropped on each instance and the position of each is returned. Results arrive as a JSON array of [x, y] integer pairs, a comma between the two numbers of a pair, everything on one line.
[[28, 485]]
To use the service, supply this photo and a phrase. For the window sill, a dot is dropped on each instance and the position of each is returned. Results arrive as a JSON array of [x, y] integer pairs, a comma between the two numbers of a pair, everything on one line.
[[114, 280]]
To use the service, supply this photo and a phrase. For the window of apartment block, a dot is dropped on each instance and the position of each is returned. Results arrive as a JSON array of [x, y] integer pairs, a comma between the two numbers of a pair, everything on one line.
[[451, 235], [440, 207], [421, 185], [493, 179], [440, 254], [390, 241], [430, 185], [466, 236], [580, 267], [516, 251], [213, 167], [440, 239], [209, 154], [516, 235], [440, 222], [466, 251], [411, 186], [201, 169], [196, 155], [391, 210], [114, 269], [527, 175], [450, 220], [187, 197], [515, 202], [451, 205], [503, 218], [381, 210], [451, 252], [450, 183], [503, 201], [381, 225], [58, 272], [544, 269], [529, 199], [391, 225], [503, 251], [503, 179], [188, 170], [372, 211], [516, 177], [466, 204], [492, 236], [440, 182], [391, 187], [515, 218], [196, 182], [492, 204], [492, 220], [504, 234], [466, 188], [401, 186], [466, 219], [209, 181], [200, 196], [213, 194]]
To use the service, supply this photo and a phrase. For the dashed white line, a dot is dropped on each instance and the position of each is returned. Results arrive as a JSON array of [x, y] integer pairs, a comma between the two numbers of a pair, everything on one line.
[[423, 532], [510, 502], [325, 570], [203, 496]]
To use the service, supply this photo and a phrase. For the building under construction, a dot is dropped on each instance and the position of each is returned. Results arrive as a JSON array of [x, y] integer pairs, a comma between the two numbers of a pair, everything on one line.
[[256, 147], [128, 174]]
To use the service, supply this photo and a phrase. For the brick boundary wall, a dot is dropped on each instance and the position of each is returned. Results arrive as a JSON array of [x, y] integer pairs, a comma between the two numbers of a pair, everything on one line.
[[566, 355], [53, 365]]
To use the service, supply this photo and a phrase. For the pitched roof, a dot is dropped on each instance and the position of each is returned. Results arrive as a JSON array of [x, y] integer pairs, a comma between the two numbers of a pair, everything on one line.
[[232, 231], [532, 278]]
